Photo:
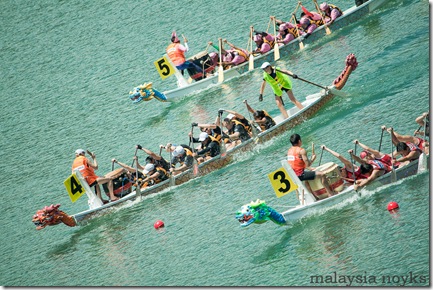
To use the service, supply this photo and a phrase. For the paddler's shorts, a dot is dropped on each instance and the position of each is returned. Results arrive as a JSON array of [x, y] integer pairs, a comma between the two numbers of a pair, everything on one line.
[[307, 175]]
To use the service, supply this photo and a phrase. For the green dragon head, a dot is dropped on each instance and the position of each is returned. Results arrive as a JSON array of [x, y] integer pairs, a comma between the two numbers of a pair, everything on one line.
[[258, 212]]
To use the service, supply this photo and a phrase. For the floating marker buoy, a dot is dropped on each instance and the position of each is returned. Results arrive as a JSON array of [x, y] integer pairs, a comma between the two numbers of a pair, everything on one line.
[[158, 224], [392, 206]]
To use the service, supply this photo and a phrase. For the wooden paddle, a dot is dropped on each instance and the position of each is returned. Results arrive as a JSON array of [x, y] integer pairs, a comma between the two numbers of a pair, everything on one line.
[[422, 159], [328, 31], [194, 161], [223, 145], [381, 136], [220, 68], [332, 90], [393, 174], [251, 58], [276, 47], [172, 179], [301, 44]]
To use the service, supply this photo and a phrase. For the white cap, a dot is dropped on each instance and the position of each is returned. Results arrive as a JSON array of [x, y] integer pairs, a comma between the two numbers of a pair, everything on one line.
[[149, 167], [79, 151], [203, 136], [178, 151], [230, 116], [265, 65]]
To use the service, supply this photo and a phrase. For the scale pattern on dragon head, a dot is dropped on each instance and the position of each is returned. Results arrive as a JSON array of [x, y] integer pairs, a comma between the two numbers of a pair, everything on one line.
[[258, 212]]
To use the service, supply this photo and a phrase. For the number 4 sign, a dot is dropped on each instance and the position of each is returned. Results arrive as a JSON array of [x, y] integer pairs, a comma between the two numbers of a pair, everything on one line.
[[74, 187], [281, 182], [164, 67]]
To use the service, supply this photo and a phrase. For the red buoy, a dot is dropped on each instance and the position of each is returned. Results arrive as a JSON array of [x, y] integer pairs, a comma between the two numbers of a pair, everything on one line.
[[158, 224], [392, 206]]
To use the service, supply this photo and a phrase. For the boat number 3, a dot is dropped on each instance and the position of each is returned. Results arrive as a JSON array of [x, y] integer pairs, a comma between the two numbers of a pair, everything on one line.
[[281, 176], [164, 67], [281, 182], [74, 187]]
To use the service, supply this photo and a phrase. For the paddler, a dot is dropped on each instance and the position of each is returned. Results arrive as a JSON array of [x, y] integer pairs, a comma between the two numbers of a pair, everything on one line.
[[286, 32], [299, 161], [279, 81], [87, 169], [234, 56], [349, 172], [210, 147], [422, 144], [264, 41], [330, 12], [176, 53], [261, 117]]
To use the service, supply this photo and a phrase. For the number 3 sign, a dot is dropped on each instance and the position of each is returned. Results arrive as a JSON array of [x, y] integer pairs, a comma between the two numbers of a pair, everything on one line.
[[281, 182]]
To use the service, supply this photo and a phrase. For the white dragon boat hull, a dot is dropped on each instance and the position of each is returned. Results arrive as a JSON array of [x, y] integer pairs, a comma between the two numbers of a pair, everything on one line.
[[349, 16], [311, 208]]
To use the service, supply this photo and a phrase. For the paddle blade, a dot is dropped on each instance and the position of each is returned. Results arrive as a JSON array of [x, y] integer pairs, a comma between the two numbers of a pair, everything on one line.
[[251, 62], [393, 175], [328, 31], [220, 74], [195, 169], [172, 181], [276, 52], [301, 45], [422, 163]]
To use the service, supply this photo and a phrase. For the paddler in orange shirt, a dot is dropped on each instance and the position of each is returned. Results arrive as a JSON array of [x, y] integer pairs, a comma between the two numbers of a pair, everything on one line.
[[298, 160], [87, 170], [176, 52]]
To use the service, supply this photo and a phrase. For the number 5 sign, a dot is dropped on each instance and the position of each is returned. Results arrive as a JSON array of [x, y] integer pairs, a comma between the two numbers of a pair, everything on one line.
[[281, 182], [164, 67], [74, 187]]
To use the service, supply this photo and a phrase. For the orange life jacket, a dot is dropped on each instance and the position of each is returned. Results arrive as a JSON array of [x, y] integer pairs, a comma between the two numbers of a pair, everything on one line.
[[86, 171], [295, 160], [175, 54]]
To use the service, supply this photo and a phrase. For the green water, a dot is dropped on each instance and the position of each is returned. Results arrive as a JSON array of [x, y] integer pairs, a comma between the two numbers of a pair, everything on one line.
[[67, 68]]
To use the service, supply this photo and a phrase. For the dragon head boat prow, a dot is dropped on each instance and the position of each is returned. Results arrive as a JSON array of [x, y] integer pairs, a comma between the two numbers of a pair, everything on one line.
[[145, 92], [258, 212], [50, 216], [351, 65]]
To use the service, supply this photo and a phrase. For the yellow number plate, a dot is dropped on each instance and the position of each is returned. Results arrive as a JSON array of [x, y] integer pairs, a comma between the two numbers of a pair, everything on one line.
[[164, 67], [74, 187], [281, 182]]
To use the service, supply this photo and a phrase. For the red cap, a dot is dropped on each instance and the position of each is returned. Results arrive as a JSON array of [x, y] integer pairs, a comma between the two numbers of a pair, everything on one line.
[[158, 224], [363, 154], [392, 205]]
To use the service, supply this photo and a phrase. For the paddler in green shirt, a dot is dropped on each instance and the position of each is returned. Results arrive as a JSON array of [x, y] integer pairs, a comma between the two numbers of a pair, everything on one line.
[[279, 81]]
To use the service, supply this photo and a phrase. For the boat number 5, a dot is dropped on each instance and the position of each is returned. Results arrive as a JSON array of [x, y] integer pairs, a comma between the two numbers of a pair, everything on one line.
[[164, 67], [281, 182]]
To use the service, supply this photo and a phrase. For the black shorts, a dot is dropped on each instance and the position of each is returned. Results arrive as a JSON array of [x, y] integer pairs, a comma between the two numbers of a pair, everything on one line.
[[307, 175], [93, 184]]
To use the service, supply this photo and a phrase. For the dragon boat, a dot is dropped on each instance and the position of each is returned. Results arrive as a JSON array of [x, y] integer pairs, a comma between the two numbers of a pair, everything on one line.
[[349, 16], [259, 212], [312, 104]]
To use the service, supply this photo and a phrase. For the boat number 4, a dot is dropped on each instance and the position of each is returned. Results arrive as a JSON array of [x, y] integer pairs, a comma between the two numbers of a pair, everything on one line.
[[164, 67], [74, 187], [281, 182]]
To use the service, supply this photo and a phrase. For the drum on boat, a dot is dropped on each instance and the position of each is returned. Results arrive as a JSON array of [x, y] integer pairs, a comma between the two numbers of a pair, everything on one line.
[[332, 172], [122, 185], [205, 62]]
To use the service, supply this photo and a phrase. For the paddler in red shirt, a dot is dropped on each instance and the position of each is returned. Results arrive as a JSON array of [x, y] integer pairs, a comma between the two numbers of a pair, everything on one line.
[[298, 160]]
